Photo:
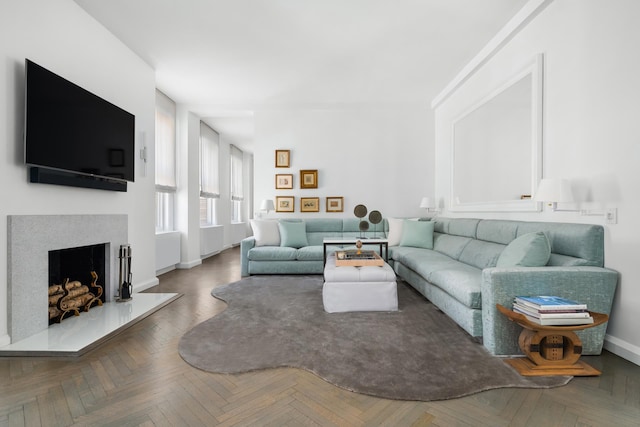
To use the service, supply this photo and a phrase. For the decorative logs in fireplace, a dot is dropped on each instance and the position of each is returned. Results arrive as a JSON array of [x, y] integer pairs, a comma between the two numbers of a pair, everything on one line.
[[71, 297]]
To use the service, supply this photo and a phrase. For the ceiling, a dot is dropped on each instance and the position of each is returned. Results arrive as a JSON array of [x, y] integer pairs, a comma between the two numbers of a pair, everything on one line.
[[226, 59]]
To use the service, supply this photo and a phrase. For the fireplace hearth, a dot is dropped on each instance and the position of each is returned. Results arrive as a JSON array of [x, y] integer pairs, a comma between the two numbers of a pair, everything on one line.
[[31, 238]]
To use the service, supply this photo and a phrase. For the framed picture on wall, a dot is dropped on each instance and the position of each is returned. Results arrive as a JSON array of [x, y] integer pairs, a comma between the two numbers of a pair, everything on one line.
[[285, 203], [309, 178], [335, 204], [309, 204], [284, 181], [283, 158]]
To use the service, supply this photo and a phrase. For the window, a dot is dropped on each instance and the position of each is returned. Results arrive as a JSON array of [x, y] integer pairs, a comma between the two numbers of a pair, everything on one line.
[[165, 161], [164, 211], [209, 174], [236, 184], [208, 211]]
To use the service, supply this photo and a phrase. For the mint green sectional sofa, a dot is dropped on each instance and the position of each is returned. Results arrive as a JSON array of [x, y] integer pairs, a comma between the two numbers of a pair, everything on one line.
[[459, 274]]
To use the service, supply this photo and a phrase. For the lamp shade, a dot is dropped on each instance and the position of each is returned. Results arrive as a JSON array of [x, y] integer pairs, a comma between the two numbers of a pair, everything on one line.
[[427, 203], [267, 205], [554, 190]]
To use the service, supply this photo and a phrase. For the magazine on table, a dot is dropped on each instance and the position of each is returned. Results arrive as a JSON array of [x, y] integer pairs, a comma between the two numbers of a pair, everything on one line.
[[529, 311], [559, 321], [543, 302]]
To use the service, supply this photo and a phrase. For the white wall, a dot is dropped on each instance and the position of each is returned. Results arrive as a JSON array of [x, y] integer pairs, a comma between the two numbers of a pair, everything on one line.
[[591, 129], [380, 157], [60, 36]]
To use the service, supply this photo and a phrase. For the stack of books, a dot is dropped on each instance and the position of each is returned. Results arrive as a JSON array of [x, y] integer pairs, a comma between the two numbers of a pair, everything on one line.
[[552, 310]]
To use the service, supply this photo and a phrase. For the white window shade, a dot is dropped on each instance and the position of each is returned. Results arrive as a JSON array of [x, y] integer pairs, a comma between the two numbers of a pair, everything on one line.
[[165, 143], [209, 163], [236, 174]]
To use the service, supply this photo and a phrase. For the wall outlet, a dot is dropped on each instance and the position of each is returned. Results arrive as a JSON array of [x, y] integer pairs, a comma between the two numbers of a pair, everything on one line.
[[611, 215]]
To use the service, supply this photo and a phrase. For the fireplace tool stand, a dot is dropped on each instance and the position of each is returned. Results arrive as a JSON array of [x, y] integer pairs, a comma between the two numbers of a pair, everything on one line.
[[126, 288]]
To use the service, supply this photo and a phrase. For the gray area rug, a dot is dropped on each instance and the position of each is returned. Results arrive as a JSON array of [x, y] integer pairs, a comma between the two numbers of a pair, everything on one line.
[[417, 353]]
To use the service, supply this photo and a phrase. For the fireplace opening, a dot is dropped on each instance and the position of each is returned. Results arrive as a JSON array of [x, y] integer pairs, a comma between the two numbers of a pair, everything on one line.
[[76, 280]]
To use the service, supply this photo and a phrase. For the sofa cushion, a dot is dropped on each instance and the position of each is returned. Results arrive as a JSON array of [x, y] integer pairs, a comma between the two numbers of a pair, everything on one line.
[[404, 254], [351, 228], [310, 253], [465, 227], [497, 231], [319, 228], [315, 238], [528, 250], [272, 253], [395, 231], [481, 254], [266, 232], [556, 260], [575, 240], [461, 281], [293, 234], [332, 226], [450, 245], [417, 234], [422, 261]]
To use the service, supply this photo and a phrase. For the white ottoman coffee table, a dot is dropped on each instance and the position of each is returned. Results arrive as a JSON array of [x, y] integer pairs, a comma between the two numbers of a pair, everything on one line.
[[368, 288]]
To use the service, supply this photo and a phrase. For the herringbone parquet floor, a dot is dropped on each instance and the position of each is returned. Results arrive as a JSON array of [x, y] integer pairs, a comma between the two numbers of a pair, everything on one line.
[[138, 379]]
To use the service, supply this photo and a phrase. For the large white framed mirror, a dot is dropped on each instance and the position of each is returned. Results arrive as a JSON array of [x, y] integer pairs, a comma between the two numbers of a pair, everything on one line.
[[496, 147]]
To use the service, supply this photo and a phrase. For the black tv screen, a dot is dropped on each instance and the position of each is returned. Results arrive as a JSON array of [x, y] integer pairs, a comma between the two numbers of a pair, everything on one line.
[[72, 130]]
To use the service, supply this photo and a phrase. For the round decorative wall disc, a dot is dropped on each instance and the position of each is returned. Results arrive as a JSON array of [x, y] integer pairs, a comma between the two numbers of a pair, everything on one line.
[[364, 225], [360, 211], [375, 217]]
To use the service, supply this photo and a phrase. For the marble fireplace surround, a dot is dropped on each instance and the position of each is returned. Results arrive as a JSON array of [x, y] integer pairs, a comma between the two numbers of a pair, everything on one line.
[[30, 238]]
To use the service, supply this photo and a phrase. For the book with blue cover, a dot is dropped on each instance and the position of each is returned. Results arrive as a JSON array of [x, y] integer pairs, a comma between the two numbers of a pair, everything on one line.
[[543, 302], [549, 314]]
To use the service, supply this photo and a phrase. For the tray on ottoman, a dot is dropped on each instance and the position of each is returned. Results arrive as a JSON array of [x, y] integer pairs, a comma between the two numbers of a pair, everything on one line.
[[358, 258]]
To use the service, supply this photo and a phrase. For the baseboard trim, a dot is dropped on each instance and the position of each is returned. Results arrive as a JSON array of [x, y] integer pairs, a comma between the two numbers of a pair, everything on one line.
[[165, 270], [190, 264], [210, 255], [146, 285], [623, 349]]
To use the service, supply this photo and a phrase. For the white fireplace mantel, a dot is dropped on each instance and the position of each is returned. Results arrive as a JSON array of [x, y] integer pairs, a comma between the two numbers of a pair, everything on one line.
[[30, 238]]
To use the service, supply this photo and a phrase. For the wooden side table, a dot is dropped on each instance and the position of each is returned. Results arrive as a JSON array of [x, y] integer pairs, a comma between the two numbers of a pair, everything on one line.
[[550, 350]]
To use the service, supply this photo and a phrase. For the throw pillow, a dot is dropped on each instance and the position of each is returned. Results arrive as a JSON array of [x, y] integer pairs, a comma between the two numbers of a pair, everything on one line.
[[528, 250], [293, 234], [417, 234], [395, 231], [266, 232]]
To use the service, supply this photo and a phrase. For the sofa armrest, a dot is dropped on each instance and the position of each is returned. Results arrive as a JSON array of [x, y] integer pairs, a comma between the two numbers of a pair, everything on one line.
[[594, 286], [246, 244]]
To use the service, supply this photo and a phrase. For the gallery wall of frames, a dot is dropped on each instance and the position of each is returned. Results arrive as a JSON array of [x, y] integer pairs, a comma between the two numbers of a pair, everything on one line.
[[308, 180]]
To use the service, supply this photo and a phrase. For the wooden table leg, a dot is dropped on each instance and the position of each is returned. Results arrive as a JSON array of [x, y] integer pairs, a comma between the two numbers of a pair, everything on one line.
[[551, 353]]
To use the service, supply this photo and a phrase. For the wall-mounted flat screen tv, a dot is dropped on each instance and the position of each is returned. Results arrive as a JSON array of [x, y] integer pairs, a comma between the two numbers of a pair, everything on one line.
[[70, 130]]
